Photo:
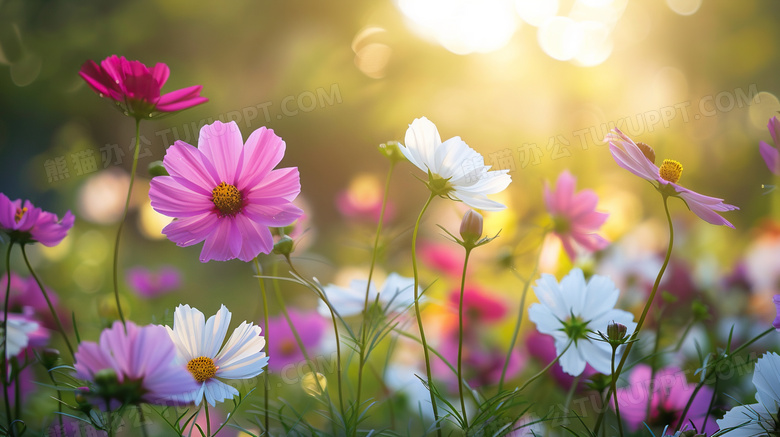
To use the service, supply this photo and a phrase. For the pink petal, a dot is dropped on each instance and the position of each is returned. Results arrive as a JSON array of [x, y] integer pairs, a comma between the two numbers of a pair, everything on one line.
[[7, 212], [222, 145], [774, 130], [564, 191], [160, 73], [627, 163], [771, 157], [180, 99], [282, 183], [275, 216], [99, 80], [262, 152], [170, 198], [256, 238], [191, 168], [592, 220], [590, 242], [190, 230], [224, 243], [705, 207]]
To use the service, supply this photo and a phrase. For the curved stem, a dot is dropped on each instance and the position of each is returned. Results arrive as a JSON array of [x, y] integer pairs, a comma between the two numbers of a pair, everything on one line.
[[5, 340], [649, 303], [546, 368], [264, 296], [419, 318], [48, 302], [613, 387], [363, 325], [460, 340], [122, 222]]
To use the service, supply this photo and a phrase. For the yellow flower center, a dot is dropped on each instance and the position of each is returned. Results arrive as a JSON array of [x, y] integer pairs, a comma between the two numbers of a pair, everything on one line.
[[671, 170], [202, 368], [227, 199], [19, 214], [647, 151]]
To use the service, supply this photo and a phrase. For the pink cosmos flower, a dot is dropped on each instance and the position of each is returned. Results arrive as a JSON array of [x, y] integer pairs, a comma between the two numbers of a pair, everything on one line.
[[150, 284], [575, 216], [226, 193], [771, 154], [136, 89], [639, 159], [776, 301], [479, 307], [28, 224], [143, 362], [26, 297], [283, 350], [671, 393]]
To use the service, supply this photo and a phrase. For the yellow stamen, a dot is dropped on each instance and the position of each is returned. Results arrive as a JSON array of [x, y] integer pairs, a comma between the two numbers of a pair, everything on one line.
[[647, 151], [227, 199], [671, 170], [19, 214], [202, 368]]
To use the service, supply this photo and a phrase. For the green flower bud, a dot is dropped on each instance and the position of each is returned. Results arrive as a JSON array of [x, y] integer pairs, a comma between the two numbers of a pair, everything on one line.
[[156, 168], [471, 227], [284, 246], [616, 333]]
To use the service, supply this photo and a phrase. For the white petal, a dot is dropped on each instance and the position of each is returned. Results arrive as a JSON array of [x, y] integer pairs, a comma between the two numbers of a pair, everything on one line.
[[187, 331], [214, 332], [571, 362], [218, 391], [422, 138], [399, 290], [747, 421], [573, 291], [242, 355], [767, 381]]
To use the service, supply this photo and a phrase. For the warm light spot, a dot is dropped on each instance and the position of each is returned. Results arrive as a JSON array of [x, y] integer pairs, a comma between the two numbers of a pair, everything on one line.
[[596, 44], [684, 7], [365, 191], [102, 198], [92, 246], [763, 106], [151, 222], [372, 59], [202, 368], [314, 385], [536, 12], [560, 38]]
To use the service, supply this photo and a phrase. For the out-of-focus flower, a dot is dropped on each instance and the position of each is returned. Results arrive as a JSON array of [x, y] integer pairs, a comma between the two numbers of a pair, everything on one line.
[[771, 154], [27, 385], [283, 349], [396, 294], [759, 418], [136, 89], [363, 200], [215, 419], [542, 347], [571, 311], [670, 394], [442, 258], [132, 364], [20, 328], [26, 298], [479, 307], [226, 192], [199, 347], [574, 214], [25, 223], [72, 428], [455, 170], [150, 284], [636, 158], [776, 301]]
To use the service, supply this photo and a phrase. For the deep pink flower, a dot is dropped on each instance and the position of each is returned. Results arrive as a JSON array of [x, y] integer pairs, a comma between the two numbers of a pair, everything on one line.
[[635, 159], [28, 224], [776, 301], [150, 284], [283, 350], [671, 393], [136, 88], [575, 216], [771, 154], [226, 192], [143, 360], [442, 258], [479, 307], [26, 297]]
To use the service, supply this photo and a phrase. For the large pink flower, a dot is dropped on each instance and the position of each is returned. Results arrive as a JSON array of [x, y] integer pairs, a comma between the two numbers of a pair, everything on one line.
[[771, 154], [136, 88], [28, 224], [641, 162], [575, 216], [226, 193]]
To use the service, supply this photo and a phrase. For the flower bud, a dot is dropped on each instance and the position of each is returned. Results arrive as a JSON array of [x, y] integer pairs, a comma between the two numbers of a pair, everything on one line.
[[284, 246], [49, 358], [106, 377], [156, 168], [391, 151], [616, 333], [471, 227]]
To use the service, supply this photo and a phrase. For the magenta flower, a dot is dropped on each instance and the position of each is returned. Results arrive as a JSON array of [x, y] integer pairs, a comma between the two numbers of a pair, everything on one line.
[[28, 224], [150, 284], [26, 297], [479, 307], [542, 347], [283, 350], [771, 154], [134, 366], [776, 301], [226, 193], [574, 215], [671, 393], [639, 159], [136, 89]]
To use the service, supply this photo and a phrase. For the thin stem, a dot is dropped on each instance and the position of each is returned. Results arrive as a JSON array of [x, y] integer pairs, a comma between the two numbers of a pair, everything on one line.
[[460, 339], [520, 313], [653, 359], [428, 374], [266, 382], [546, 368], [122, 222], [48, 302], [363, 327], [142, 420], [5, 340], [208, 419], [649, 303], [59, 400], [613, 387], [570, 395]]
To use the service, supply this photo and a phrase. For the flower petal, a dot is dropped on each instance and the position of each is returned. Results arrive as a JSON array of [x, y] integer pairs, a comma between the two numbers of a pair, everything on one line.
[[222, 145]]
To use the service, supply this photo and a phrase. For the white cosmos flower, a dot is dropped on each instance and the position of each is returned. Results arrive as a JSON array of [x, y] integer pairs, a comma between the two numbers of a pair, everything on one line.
[[19, 330], [199, 346], [758, 419], [397, 293], [573, 311], [455, 170]]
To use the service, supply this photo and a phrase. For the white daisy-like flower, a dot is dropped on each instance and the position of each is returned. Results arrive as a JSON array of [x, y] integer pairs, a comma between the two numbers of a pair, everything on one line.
[[758, 419], [454, 169], [573, 311], [199, 347], [397, 294], [19, 330]]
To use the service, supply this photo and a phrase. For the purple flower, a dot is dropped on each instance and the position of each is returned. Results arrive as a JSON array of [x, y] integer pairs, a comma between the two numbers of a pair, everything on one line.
[[226, 193], [136, 89], [771, 154], [149, 284], [283, 350], [776, 301], [636, 158], [28, 224], [26, 297], [134, 366]]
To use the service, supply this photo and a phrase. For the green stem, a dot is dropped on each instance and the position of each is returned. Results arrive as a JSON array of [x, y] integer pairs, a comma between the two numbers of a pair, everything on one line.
[[59, 400], [142, 420], [122, 222], [653, 359], [546, 368], [48, 302], [649, 303], [460, 339], [5, 340], [363, 327], [208, 419], [570, 394], [17, 393], [264, 296], [428, 374], [613, 387]]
